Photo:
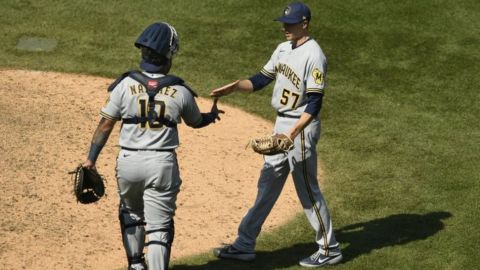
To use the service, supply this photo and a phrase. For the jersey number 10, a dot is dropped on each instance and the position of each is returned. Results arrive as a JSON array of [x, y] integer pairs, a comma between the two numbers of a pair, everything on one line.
[[144, 112]]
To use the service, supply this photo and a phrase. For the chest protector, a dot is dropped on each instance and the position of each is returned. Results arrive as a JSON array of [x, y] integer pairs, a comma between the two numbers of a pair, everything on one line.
[[153, 86]]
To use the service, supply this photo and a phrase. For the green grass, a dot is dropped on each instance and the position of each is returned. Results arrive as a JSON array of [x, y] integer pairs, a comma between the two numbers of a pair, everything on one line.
[[400, 137]]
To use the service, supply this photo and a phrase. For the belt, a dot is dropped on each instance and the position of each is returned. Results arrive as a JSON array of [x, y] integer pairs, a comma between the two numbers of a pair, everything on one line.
[[156, 150], [286, 115]]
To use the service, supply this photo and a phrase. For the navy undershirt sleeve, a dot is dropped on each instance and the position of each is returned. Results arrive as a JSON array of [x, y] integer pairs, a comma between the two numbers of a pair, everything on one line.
[[259, 81], [314, 103], [207, 119]]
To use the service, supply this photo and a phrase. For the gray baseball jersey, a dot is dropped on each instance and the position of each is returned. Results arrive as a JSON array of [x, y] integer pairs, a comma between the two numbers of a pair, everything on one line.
[[129, 99], [296, 72]]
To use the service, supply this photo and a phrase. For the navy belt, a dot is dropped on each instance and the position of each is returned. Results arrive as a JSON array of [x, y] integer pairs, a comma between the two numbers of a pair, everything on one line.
[[156, 150], [286, 115]]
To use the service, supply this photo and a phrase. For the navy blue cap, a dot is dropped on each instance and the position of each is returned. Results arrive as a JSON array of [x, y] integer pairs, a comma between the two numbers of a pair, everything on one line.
[[295, 13]]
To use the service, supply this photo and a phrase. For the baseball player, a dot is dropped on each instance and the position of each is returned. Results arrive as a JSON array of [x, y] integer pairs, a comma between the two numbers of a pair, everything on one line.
[[298, 67], [150, 105]]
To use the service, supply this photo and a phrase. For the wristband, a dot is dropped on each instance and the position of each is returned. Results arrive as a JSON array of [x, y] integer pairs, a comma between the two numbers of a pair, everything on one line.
[[94, 152]]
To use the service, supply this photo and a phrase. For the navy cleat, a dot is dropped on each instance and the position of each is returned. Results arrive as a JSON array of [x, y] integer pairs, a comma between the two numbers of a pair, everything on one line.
[[229, 252]]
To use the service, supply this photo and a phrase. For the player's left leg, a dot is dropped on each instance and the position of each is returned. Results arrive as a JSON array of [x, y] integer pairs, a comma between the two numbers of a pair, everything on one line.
[[315, 206], [304, 175]]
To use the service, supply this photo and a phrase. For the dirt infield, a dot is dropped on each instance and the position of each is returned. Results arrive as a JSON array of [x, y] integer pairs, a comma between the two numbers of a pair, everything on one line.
[[46, 125]]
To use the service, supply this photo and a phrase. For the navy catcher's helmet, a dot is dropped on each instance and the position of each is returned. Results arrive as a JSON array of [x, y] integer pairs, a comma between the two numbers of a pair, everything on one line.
[[161, 37]]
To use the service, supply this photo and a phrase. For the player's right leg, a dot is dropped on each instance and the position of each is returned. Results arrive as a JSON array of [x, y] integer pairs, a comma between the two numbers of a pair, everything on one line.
[[131, 184], [133, 236], [270, 185]]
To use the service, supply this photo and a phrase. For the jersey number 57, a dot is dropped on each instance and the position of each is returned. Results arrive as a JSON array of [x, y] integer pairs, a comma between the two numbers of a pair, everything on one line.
[[287, 95]]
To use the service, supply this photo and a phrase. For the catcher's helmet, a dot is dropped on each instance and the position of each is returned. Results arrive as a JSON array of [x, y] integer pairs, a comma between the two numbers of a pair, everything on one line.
[[161, 37]]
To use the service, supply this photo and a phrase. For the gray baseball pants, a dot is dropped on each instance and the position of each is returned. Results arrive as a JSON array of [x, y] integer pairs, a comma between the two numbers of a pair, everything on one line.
[[148, 184], [301, 162]]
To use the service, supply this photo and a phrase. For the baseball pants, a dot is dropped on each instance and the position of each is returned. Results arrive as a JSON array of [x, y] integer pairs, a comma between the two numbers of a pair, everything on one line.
[[148, 184], [301, 162]]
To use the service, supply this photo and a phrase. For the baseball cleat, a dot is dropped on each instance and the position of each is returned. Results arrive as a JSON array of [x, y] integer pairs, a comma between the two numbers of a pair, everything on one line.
[[229, 252], [317, 259], [137, 267]]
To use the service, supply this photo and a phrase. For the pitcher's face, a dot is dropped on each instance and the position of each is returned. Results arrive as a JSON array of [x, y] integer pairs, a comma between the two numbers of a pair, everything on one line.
[[294, 31]]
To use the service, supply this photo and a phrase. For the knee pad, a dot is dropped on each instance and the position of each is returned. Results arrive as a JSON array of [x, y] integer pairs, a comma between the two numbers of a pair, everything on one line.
[[129, 219], [161, 235]]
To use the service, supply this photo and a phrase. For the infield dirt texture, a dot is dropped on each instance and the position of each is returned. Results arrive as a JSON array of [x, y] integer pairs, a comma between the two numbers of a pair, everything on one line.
[[47, 135]]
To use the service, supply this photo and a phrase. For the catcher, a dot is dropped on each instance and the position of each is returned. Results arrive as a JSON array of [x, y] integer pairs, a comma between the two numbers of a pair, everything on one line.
[[150, 105]]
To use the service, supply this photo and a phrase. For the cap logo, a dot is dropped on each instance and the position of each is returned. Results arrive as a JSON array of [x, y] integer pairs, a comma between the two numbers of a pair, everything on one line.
[[287, 10], [152, 84]]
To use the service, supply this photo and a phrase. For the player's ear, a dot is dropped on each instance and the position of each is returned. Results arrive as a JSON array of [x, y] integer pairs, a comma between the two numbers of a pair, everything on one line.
[[305, 24]]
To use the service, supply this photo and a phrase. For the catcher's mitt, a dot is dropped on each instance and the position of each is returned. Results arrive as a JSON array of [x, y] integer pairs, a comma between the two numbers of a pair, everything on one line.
[[88, 185], [272, 144]]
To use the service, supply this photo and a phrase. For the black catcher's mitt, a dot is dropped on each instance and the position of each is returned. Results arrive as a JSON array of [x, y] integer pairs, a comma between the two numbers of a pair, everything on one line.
[[88, 185]]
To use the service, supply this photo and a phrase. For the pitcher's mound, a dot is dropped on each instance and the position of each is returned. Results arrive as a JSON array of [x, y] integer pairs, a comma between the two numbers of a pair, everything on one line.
[[46, 126]]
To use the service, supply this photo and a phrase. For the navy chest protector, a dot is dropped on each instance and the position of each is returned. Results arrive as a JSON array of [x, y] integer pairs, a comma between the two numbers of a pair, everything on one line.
[[152, 86]]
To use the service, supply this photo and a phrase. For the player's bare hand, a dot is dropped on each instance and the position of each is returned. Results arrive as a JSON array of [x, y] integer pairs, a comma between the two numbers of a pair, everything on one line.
[[215, 111], [88, 164], [225, 90]]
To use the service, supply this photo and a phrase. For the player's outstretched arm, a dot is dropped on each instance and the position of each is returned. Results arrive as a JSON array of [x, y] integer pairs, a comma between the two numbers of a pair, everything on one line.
[[238, 85], [212, 116], [215, 112]]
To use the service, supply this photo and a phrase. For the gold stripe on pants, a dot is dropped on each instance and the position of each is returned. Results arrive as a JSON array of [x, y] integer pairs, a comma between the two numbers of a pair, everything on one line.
[[310, 194]]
